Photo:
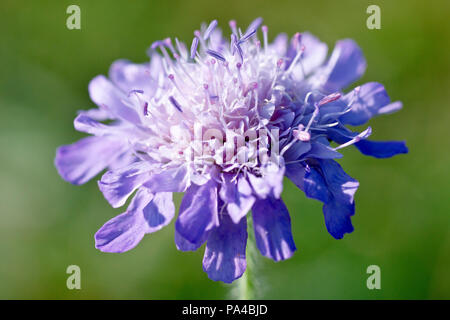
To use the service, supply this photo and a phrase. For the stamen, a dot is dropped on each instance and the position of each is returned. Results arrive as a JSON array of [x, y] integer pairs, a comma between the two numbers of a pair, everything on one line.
[[239, 66], [294, 62], [232, 25], [180, 64], [335, 115], [168, 44], [305, 102], [135, 91], [277, 70], [198, 34], [265, 30], [279, 63], [239, 49], [247, 36], [156, 44], [145, 109], [355, 95], [232, 43], [172, 79], [216, 55], [251, 30], [314, 115], [207, 99], [165, 54], [297, 40], [250, 87], [363, 135], [301, 134], [175, 103], [330, 98], [210, 29], [181, 48], [194, 47]]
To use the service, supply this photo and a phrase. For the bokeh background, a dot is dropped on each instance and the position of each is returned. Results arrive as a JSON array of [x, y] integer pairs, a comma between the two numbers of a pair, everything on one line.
[[46, 224]]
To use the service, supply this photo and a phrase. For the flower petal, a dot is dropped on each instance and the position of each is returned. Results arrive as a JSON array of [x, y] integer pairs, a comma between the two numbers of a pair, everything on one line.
[[198, 211], [367, 103], [79, 162], [298, 149], [313, 56], [337, 218], [377, 149], [118, 185], [315, 186], [340, 206], [107, 96], [270, 183], [321, 151], [272, 226], [183, 244], [169, 180], [147, 213], [159, 212], [237, 197], [296, 173], [130, 76], [239, 209], [84, 123], [340, 184], [346, 65], [381, 149], [224, 258], [280, 44], [315, 52]]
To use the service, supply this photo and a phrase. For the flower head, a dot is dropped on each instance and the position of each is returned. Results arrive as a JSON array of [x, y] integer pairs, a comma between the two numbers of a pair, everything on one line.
[[224, 121]]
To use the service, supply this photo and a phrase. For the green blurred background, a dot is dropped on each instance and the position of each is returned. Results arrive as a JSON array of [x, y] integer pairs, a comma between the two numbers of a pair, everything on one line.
[[46, 224]]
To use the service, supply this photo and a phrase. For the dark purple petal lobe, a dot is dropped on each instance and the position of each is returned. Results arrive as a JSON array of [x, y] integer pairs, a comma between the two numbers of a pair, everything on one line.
[[340, 206], [224, 258], [183, 244], [198, 211], [272, 226], [147, 213], [118, 185], [237, 197], [381, 149], [315, 186], [296, 173]]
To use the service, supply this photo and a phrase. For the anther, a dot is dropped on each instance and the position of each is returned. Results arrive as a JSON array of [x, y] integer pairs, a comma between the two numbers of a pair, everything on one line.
[[279, 63], [175, 103], [145, 109], [210, 29], [330, 98], [194, 47]]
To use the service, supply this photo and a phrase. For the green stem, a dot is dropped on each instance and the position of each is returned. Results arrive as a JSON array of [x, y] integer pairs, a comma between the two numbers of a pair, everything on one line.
[[246, 284]]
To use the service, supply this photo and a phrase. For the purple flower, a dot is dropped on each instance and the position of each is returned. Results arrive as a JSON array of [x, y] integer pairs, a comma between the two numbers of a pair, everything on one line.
[[224, 123]]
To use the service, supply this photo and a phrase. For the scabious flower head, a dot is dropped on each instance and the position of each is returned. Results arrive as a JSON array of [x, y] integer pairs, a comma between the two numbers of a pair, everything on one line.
[[224, 120]]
